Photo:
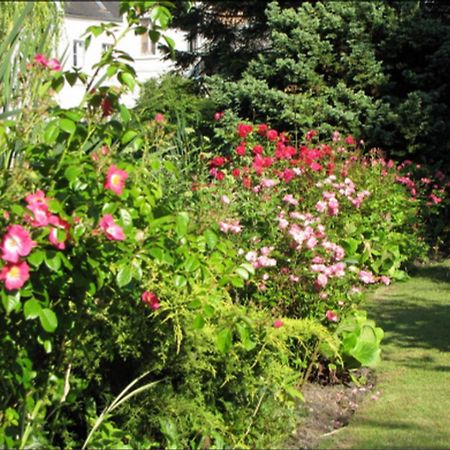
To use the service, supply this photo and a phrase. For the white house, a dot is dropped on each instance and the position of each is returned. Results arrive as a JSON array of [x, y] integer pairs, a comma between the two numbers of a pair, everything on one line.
[[78, 16]]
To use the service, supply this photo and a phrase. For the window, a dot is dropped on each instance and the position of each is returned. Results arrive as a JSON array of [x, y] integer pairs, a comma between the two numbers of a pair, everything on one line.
[[148, 47], [193, 43], [106, 47], [78, 53]]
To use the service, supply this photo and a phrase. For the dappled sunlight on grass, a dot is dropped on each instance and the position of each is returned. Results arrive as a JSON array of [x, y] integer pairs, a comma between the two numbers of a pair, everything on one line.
[[414, 376]]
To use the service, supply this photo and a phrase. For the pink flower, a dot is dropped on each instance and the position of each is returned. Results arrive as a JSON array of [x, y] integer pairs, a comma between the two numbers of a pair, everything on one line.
[[106, 106], [159, 118], [243, 130], [251, 256], [278, 323], [236, 173], [258, 150], [268, 183], [115, 179], [151, 300], [17, 242], [262, 129], [321, 281], [113, 231], [217, 161], [54, 64], [350, 140], [282, 223], [41, 60], [311, 242], [232, 226], [321, 206], [288, 198], [225, 200], [385, 280], [265, 251], [336, 136], [366, 277], [272, 135], [240, 149], [310, 134], [37, 200], [218, 115], [41, 216], [15, 275], [331, 316], [53, 236], [264, 261]]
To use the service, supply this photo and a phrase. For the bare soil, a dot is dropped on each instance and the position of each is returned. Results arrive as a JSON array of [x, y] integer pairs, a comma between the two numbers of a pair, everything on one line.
[[328, 408]]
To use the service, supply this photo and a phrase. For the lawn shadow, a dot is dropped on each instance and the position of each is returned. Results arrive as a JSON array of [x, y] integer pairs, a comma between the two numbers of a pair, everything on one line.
[[439, 273], [425, 325], [413, 316]]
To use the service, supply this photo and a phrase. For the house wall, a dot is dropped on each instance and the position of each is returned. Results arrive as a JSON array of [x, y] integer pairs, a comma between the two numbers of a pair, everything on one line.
[[146, 66]]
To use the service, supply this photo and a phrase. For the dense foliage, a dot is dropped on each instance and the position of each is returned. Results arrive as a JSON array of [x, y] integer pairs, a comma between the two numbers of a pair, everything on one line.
[[157, 299], [372, 69]]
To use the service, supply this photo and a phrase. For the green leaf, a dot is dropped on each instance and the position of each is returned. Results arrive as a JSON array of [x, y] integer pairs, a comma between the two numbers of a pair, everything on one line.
[[195, 304], [48, 320], [11, 302], [124, 276], [156, 253], [126, 217], [242, 273], [248, 267], [51, 132], [211, 238], [224, 340], [170, 42], [124, 113], [182, 222], [198, 323], [237, 282], [191, 264], [31, 309], [170, 167], [128, 136], [127, 79], [179, 281], [245, 337], [294, 392], [72, 173], [53, 262], [67, 125], [209, 310], [367, 353], [54, 206], [36, 258]]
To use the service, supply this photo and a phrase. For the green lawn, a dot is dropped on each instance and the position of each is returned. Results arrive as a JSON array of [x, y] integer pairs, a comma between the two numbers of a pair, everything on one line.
[[413, 409]]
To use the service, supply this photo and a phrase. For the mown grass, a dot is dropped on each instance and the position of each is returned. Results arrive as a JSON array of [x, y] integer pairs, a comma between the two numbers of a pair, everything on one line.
[[413, 408]]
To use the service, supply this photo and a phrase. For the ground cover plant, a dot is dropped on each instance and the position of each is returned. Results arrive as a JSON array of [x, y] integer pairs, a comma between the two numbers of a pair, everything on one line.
[[153, 300]]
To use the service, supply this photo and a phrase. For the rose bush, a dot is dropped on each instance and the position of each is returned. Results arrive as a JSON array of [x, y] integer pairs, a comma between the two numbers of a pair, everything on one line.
[[105, 280], [318, 221]]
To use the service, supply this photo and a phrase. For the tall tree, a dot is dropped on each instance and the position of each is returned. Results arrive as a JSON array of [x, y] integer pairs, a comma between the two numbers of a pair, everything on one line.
[[232, 31], [377, 69]]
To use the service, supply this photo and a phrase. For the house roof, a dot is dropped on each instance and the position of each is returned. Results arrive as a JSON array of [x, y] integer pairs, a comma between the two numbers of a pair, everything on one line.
[[107, 11]]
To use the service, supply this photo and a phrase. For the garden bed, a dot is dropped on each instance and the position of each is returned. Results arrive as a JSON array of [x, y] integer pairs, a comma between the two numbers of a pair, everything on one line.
[[329, 408]]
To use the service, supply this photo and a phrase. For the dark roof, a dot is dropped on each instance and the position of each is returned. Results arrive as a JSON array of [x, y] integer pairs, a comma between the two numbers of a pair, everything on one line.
[[107, 11]]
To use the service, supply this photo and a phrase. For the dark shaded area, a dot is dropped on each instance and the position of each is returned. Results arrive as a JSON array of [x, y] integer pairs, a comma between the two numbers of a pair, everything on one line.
[[435, 273], [417, 321], [420, 326]]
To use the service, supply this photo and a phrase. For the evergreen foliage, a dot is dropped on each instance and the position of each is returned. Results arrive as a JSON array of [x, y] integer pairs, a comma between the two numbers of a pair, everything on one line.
[[375, 69]]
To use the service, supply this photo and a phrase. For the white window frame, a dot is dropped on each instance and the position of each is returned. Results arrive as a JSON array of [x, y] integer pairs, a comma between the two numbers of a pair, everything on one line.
[[78, 53]]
